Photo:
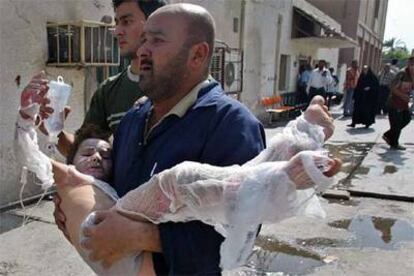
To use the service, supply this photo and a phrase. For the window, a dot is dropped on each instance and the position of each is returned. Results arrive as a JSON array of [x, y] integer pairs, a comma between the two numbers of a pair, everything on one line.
[[283, 72], [377, 6], [86, 43]]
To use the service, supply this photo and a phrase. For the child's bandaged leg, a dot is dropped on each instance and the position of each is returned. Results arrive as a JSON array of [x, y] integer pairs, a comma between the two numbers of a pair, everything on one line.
[[235, 200]]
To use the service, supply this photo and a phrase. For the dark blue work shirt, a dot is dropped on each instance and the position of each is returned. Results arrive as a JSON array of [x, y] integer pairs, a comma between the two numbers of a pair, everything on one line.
[[217, 130]]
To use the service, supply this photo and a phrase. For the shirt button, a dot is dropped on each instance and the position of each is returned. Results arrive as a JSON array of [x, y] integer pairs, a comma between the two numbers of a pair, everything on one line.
[[139, 144]]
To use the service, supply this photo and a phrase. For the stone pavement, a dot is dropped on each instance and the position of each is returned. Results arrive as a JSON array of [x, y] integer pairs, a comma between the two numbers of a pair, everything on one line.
[[369, 235]]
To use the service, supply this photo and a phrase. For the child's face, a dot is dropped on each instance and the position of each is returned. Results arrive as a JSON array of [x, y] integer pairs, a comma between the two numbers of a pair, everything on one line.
[[94, 158]]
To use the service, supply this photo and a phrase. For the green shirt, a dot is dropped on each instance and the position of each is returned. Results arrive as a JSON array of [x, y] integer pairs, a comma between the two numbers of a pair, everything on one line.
[[111, 101]]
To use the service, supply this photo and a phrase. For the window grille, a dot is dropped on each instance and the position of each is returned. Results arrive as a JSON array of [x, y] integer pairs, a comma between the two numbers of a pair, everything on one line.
[[86, 43]]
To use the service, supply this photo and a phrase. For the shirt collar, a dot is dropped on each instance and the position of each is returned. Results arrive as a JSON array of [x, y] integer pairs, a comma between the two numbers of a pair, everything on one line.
[[133, 77], [185, 103]]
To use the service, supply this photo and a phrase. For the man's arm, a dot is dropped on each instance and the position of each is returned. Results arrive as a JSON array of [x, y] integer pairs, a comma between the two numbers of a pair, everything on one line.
[[395, 87], [66, 140], [115, 236]]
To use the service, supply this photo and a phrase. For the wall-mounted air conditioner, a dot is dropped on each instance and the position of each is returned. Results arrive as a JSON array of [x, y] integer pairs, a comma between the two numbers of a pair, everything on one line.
[[86, 43], [227, 68]]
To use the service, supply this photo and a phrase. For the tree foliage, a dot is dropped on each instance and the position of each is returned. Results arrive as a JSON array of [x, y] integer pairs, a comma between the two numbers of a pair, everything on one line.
[[395, 48]]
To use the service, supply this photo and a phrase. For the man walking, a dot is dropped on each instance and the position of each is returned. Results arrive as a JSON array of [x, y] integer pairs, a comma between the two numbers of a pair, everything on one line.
[[386, 76], [399, 114], [351, 80], [319, 80]]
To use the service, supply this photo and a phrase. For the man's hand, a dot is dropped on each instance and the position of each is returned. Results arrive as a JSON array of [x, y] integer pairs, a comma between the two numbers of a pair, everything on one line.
[[114, 236], [60, 218], [317, 113], [35, 92]]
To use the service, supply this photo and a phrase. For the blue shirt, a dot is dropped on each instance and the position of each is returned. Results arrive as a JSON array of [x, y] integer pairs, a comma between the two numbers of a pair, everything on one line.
[[217, 130]]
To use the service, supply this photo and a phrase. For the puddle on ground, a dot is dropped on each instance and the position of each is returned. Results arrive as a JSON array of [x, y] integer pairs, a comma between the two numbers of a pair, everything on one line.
[[272, 256], [351, 155], [390, 169], [377, 232]]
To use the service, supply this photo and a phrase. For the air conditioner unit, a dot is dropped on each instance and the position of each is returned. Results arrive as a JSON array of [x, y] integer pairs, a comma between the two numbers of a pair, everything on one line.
[[86, 43], [233, 71], [226, 68]]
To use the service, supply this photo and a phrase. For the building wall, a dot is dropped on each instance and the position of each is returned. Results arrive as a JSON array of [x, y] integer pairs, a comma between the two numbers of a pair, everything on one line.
[[368, 29], [265, 35], [23, 52]]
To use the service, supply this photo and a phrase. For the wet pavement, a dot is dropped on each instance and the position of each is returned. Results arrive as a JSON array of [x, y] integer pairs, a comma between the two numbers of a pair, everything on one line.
[[372, 233]]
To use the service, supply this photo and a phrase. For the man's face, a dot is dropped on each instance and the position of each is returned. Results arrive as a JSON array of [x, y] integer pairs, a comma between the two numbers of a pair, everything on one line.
[[129, 21], [163, 56], [94, 158], [321, 65], [354, 65]]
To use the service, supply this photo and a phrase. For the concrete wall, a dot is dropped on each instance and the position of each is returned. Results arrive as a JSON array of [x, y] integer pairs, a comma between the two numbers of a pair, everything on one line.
[[23, 51]]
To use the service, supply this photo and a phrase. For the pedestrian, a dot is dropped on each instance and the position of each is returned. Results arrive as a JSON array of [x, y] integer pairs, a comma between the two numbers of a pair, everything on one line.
[[398, 113], [385, 78], [351, 80], [332, 89], [303, 79], [365, 98], [394, 65], [319, 80]]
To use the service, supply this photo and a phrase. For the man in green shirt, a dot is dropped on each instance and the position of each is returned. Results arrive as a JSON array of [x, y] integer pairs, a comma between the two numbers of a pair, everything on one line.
[[116, 95]]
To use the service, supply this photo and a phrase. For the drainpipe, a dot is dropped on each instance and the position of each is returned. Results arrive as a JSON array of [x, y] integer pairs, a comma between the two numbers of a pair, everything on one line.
[[242, 15]]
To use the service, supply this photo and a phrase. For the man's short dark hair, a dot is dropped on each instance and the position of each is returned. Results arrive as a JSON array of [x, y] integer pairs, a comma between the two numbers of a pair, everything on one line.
[[146, 6], [89, 131]]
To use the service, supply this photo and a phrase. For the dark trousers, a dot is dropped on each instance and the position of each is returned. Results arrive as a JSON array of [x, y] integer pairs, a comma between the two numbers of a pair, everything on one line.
[[383, 94], [316, 91], [398, 120]]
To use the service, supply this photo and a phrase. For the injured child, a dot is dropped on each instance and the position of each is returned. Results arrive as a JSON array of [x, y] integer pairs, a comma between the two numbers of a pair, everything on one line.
[[279, 183]]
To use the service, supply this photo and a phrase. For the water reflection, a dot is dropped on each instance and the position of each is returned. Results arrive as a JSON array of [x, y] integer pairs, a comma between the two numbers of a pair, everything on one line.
[[384, 233], [352, 155], [273, 257]]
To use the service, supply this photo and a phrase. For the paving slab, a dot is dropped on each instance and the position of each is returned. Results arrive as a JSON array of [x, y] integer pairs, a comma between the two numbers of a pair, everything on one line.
[[385, 173], [39, 248]]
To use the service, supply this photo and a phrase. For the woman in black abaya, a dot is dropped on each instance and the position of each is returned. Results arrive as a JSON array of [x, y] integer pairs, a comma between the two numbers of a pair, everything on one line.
[[365, 98]]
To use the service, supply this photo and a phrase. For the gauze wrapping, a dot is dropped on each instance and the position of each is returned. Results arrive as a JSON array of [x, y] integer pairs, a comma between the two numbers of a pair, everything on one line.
[[27, 148], [235, 200]]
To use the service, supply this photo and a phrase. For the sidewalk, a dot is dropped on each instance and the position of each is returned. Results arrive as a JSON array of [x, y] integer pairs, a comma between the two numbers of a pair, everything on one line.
[[359, 236]]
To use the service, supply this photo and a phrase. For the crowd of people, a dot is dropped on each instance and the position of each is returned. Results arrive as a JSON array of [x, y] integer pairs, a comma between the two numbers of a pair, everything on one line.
[[386, 93], [366, 94]]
